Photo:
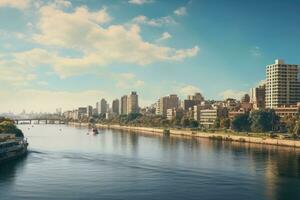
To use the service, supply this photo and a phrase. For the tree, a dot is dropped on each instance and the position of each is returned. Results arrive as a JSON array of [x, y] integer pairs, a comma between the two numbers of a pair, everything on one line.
[[8, 126], [217, 123], [264, 121], [290, 124], [297, 129], [185, 122], [241, 122], [194, 124], [225, 123]]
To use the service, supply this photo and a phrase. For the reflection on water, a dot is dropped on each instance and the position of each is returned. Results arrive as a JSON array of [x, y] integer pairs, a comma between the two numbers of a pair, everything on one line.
[[72, 163]]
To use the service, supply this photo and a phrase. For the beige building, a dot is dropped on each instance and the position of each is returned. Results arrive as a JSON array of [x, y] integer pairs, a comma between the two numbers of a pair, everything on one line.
[[165, 103], [132, 103], [124, 105], [282, 86], [89, 112], [209, 116], [103, 106], [258, 97], [172, 113], [287, 111], [116, 106]]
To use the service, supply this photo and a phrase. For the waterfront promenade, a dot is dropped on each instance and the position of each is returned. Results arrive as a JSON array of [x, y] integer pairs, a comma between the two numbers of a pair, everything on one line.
[[189, 133]]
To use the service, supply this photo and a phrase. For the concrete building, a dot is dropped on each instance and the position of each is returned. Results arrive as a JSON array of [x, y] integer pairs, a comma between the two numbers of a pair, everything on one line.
[[209, 116], [258, 97], [245, 99], [103, 106], [165, 103], [116, 106], [191, 101], [124, 105], [287, 111], [98, 108], [75, 115], [282, 86], [133, 103], [197, 97], [172, 113], [95, 112], [82, 112], [232, 104], [89, 112]]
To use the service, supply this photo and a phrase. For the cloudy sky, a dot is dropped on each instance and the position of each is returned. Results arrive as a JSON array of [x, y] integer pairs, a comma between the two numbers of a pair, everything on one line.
[[60, 53]]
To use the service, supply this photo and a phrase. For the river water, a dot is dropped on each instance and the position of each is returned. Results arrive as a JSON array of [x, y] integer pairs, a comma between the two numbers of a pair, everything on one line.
[[68, 163]]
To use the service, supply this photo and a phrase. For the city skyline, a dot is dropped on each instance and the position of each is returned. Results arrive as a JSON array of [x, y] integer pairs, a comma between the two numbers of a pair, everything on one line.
[[44, 67]]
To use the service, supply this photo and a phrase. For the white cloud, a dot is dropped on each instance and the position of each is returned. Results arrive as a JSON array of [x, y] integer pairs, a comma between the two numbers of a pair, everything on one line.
[[165, 36], [141, 19], [128, 81], [18, 4], [15, 73], [180, 11], [43, 83], [232, 94], [188, 90], [140, 2], [82, 31]]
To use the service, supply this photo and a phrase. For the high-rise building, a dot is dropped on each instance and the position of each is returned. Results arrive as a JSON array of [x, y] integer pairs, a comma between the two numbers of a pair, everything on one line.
[[283, 85], [116, 106], [245, 99], [191, 101], [165, 103], [89, 111], [197, 96], [132, 103], [258, 97], [124, 105], [103, 106], [98, 108], [81, 112]]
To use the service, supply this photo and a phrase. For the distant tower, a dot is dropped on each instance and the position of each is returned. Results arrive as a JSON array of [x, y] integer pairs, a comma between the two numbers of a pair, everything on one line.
[[124, 105], [165, 103], [103, 106], [258, 97], [116, 106], [245, 98], [133, 103]]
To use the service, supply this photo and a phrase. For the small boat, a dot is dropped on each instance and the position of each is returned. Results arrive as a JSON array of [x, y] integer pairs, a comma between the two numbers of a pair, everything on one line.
[[95, 131], [13, 148]]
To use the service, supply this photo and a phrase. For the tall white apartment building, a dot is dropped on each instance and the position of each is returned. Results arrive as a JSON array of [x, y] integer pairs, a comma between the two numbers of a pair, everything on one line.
[[283, 85]]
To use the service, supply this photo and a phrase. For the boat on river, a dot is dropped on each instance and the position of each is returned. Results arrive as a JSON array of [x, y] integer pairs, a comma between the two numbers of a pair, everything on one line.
[[12, 147], [95, 131]]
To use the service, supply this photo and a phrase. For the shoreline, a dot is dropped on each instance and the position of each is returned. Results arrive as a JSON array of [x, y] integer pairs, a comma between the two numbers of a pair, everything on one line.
[[192, 134]]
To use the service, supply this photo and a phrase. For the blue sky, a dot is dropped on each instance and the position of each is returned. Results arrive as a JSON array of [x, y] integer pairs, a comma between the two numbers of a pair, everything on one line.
[[68, 53]]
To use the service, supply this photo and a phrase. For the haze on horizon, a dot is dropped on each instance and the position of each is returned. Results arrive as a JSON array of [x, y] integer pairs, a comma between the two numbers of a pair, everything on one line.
[[65, 54]]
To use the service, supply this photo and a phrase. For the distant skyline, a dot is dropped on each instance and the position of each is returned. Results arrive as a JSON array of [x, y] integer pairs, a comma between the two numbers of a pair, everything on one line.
[[65, 54]]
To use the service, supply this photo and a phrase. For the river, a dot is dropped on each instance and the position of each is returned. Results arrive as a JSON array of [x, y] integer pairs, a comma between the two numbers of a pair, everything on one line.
[[67, 162]]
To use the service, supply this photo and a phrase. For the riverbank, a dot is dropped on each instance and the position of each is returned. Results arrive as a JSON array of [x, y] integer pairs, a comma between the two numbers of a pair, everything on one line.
[[197, 134]]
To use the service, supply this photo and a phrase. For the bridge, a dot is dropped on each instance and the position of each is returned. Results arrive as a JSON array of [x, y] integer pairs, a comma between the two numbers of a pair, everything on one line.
[[39, 121]]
